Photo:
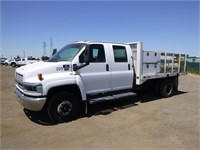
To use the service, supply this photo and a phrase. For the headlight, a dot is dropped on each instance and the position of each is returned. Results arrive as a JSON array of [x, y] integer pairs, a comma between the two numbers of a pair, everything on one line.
[[39, 88], [33, 87]]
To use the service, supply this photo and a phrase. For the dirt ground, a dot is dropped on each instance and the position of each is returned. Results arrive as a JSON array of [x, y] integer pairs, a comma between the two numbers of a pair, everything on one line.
[[141, 122]]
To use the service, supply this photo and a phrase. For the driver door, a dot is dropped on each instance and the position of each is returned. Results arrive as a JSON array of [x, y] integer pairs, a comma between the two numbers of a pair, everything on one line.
[[96, 76]]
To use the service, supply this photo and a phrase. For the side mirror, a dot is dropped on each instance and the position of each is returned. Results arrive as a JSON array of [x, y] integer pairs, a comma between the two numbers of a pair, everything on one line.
[[87, 54], [54, 51], [84, 58]]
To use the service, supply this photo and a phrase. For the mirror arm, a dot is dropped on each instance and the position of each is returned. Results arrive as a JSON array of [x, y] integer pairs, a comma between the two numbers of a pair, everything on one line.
[[75, 67]]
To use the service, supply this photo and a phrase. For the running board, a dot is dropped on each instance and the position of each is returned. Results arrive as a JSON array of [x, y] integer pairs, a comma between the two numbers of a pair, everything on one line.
[[113, 97]]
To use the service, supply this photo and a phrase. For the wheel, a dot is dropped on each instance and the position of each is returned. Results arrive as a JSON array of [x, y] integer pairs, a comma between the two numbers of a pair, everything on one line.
[[63, 107], [13, 64], [157, 87], [166, 88]]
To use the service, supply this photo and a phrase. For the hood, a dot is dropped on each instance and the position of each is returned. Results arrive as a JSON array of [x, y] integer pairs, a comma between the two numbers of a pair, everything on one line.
[[44, 68]]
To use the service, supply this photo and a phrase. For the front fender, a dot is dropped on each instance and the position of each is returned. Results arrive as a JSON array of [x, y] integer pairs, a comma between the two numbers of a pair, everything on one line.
[[58, 81], [81, 86]]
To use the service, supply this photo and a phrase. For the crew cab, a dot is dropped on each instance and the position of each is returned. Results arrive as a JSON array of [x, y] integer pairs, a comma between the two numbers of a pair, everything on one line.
[[88, 72]]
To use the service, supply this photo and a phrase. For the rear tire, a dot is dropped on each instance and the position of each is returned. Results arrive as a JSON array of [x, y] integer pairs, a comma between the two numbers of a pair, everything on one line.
[[63, 107], [167, 88], [176, 82]]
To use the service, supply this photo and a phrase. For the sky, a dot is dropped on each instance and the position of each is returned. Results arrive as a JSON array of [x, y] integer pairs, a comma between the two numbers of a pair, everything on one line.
[[171, 26]]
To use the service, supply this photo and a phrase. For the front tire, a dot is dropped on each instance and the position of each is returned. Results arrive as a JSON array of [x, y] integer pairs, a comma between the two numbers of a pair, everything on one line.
[[63, 107]]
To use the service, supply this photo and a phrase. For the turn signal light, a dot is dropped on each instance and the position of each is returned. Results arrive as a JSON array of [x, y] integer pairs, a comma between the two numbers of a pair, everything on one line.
[[40, 76]]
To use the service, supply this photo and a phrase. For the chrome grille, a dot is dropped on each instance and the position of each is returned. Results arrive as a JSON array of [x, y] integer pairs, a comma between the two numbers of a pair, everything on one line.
[[19, 80]]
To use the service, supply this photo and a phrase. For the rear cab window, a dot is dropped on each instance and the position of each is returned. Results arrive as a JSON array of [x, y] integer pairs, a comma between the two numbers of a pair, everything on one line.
[[120, 54]]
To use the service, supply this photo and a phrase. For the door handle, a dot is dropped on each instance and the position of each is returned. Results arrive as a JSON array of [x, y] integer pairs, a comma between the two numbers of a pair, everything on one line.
[[129, 66], [107, 67]]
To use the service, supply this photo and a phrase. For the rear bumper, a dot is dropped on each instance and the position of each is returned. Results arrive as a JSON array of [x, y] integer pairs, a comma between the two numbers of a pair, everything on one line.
[[30, 103]]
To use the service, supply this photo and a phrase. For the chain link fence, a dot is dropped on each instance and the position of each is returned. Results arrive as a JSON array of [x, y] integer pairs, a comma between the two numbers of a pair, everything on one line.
[[193, 67]]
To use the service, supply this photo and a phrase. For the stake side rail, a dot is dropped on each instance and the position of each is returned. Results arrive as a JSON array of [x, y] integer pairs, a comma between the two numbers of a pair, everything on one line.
[[160, 65]]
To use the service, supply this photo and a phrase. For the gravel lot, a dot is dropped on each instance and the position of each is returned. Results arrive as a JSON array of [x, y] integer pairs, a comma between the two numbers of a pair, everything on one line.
[[141, 122]]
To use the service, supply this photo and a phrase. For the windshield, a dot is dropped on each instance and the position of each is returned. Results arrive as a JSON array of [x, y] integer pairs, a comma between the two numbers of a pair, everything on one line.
[[67, 53]]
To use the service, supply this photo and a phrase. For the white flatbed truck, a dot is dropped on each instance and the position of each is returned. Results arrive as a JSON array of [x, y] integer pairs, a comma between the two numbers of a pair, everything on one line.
[[86, 72]]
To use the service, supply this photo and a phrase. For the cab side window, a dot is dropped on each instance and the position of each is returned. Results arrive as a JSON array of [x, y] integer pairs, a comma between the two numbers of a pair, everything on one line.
[[120, 54], [97, 53]]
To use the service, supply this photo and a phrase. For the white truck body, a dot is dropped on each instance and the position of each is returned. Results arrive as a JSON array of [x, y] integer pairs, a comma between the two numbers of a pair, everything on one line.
[[152, 64], [93, 72]]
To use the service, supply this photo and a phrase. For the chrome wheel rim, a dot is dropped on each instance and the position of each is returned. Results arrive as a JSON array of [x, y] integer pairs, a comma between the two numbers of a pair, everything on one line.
[[64, 108]]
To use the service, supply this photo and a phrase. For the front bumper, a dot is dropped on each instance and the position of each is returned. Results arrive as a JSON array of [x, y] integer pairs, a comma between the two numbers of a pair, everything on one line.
[[30, 103]]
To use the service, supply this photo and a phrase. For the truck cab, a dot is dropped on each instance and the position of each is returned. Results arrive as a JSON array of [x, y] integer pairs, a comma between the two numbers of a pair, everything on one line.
[[107, 68]]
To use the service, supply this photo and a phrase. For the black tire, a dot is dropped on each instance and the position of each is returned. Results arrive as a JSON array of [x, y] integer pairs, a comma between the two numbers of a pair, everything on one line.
[[13, 64], [63, 107], [157, 87], [176, 82], [167, 88]]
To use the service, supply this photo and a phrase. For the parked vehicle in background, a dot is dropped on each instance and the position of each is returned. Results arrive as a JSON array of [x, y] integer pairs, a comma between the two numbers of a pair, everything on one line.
[[2, 59], [23, 61], [7, 62], [91, 72], [13, 62]]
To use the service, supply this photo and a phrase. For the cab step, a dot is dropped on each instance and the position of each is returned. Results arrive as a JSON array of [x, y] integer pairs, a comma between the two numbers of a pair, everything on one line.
[[112, 97]]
